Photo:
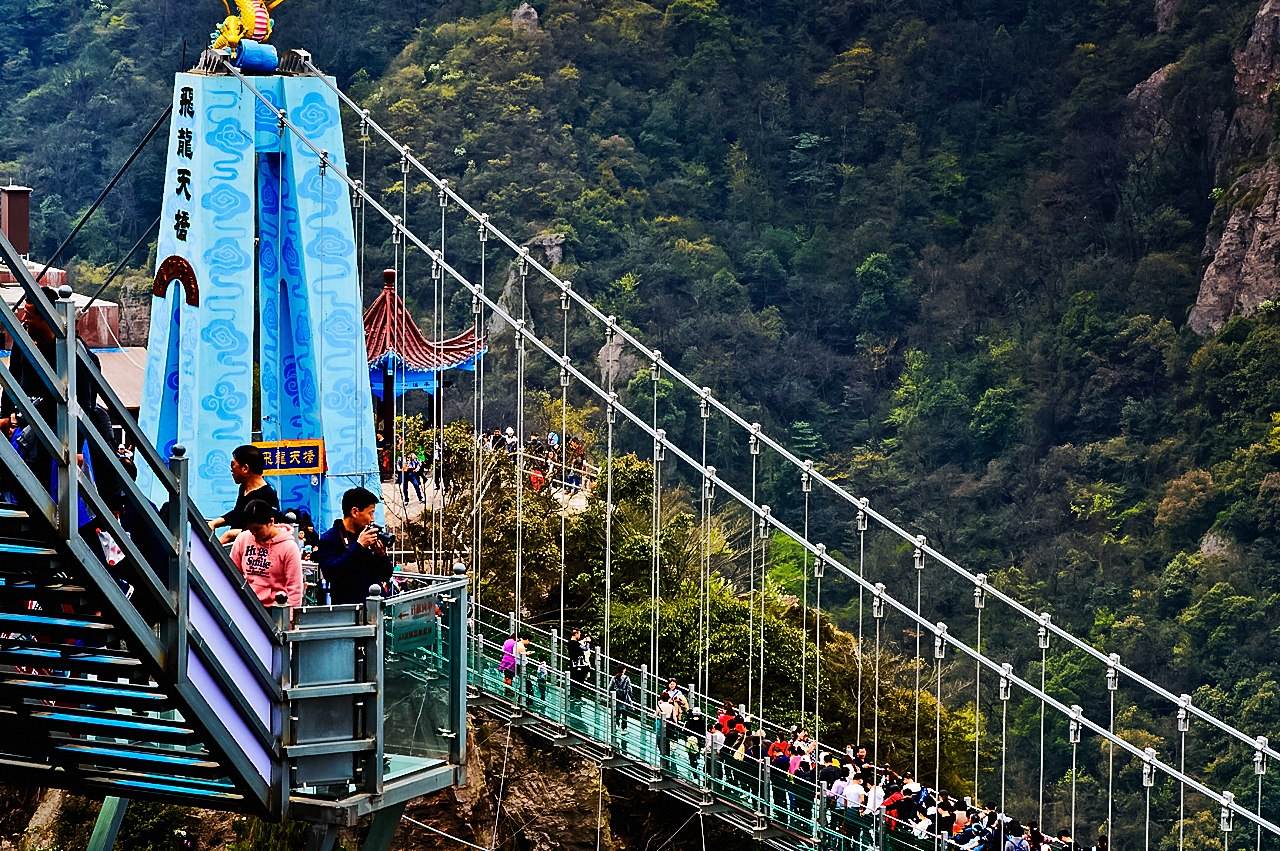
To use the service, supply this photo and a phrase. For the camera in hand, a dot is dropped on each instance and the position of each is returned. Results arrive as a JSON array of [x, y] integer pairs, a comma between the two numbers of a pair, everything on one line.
[[387, 538]]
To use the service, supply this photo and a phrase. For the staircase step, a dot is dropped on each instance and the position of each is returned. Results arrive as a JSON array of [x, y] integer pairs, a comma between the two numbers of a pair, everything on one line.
[[26, 589], [167, 763], [25, 550], [160, 784], [92, 722], [68, 657], [89, 692], [30, 622]]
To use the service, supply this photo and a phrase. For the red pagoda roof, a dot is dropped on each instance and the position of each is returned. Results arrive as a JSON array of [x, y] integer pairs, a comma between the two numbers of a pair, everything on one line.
[[389, 329]]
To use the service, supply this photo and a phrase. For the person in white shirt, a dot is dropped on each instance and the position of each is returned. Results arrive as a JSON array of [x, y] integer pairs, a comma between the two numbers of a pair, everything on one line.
[[855, 795], [875, 799]]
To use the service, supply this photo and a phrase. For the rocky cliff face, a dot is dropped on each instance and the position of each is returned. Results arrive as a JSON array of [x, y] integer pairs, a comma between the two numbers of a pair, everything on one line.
[[521, 791], [1244, 267]]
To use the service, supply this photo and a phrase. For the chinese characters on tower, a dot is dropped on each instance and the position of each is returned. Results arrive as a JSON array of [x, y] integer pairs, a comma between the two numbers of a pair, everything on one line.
[[186, 117]]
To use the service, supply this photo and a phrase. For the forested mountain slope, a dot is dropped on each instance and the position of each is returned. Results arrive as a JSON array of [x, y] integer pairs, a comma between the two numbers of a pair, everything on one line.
[[987, 260]]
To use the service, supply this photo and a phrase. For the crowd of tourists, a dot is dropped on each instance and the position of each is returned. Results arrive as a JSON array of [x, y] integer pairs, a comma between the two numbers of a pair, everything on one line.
[[550, 460], [800, 781]]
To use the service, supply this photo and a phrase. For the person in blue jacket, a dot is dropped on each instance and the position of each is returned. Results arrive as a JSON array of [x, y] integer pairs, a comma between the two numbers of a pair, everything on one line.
[[351, 556]]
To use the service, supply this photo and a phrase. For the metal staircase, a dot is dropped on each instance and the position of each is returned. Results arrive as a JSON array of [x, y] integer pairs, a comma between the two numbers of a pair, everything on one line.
[[157, 678]]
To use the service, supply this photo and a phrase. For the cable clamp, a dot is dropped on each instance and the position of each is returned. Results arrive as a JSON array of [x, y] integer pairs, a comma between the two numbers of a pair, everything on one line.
[[819, 560], [282, 121], [1113, 672], [483, 229], [764, 519], [709, 484], [877, 602], [436, 267], [324, 162], [1073, 728], [862, 514], [610, 328], [564, 371], [398, 224], [754, 441], [653, 367], [444, 194], [980, 591], [524, 261], [1260, 757], [940, 641], [918, 555], [1006, 671], [660, 446], [1042, 631], [1224, 819], [404, 161], [363, 130], [564, 296], [806, 477], [704, 403], [475, 304], [1149, 767], [1184, 715], [357, 195], [611, 408]]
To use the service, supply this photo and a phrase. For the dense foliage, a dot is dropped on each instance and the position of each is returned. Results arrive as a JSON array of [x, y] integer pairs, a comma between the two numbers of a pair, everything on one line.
[[916, 238]]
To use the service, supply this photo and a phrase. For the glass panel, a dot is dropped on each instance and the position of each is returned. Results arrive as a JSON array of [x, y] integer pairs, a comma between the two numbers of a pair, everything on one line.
[[417, 673]]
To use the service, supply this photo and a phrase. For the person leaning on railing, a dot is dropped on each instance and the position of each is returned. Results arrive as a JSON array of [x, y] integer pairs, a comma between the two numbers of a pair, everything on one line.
[[351, 555], [268, 556], [247, 467]]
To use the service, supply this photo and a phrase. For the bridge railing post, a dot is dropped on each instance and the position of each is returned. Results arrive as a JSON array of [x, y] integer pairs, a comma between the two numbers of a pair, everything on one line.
[[374, 704], [457, 655], [555, 649]]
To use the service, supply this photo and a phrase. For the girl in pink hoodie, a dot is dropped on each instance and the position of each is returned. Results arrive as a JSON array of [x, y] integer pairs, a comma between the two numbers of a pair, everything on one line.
[[268, 556]]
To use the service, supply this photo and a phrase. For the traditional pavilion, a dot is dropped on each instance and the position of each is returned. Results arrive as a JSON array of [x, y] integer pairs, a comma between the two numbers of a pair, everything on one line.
[[402, 359]]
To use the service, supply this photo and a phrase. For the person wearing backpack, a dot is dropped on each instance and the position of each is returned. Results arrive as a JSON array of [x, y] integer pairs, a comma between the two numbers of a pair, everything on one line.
[[1015, 838]]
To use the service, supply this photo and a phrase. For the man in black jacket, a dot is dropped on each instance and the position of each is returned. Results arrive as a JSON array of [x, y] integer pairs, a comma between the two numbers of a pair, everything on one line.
[[350, 555]]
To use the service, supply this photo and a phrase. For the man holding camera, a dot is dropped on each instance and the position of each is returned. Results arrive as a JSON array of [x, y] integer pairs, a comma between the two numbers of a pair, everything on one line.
[[353, 555]]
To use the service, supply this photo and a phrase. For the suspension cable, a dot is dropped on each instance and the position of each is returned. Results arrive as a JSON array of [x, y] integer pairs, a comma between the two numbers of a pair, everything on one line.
[[1226, 800], [1042, 639], [564, 449], [918, 559], [939, 653], [862, 549], [704, 561], [1004, 731], [120, 265], [520, 448], [979, 603], [1184, 724], [877, 614], [806, 487], [1073, 735], [102, 196], [753, 444], [1112, 682], [437, 400], [764, 553], [610, 415], [477, 503]]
